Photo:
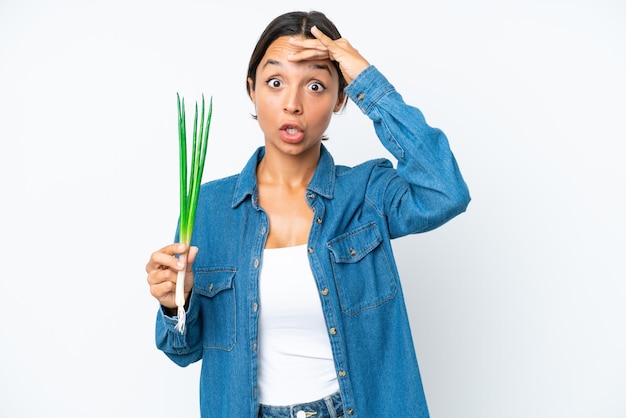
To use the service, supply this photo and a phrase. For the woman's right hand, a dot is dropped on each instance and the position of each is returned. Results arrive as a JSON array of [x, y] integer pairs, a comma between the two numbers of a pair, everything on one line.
[[163, 268], [351, 62]]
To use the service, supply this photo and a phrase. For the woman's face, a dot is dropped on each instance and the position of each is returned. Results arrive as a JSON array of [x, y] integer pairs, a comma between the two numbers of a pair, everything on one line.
[[294, 100]]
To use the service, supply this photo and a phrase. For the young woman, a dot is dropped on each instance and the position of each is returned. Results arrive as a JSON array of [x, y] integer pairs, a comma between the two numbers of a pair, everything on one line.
[[294, 303]]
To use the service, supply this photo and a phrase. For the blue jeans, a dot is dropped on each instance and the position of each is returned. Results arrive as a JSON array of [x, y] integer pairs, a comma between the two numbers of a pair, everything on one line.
[[329, 407]]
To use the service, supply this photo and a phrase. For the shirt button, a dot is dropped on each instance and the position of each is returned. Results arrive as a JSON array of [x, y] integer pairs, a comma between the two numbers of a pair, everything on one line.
[[361, 96], [352, 252], [333, 331], [350, 411], [311, 196], [324, 291], [311, 250], [342, 373], [263, 230], [319, 220], [256, 263], [254, 347], [255, 307]]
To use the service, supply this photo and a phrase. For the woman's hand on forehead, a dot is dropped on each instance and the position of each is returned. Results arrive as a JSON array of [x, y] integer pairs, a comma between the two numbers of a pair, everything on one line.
[[323, 47]]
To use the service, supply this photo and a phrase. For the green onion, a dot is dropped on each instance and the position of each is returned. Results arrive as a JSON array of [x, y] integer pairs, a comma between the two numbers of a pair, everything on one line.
[[189, 188]]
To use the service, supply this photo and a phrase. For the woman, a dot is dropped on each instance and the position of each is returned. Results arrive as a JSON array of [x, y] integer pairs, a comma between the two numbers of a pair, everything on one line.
[[294, 302]]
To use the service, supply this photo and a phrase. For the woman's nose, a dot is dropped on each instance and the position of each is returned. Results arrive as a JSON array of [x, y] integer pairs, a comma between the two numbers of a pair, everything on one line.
[[292, 103]]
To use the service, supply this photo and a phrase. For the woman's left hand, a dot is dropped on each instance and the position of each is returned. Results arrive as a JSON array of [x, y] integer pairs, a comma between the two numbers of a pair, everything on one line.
[[350, 61]]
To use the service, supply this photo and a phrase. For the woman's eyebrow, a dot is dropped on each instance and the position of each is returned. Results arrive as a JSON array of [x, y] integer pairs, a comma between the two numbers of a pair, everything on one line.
[[321, 67], [272, 62]]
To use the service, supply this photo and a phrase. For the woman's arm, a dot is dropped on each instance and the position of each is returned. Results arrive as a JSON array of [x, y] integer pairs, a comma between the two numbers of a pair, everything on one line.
[[427, 189]]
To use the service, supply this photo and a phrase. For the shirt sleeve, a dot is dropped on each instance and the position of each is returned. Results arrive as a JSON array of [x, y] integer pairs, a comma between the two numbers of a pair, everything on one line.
[[182, 348], [426, 189]]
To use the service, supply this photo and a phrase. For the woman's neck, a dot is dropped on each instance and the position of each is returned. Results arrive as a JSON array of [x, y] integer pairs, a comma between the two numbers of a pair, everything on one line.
[[287, 170]]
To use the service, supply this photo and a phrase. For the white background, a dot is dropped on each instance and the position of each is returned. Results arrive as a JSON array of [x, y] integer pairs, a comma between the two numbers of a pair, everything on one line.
[[518, 306]]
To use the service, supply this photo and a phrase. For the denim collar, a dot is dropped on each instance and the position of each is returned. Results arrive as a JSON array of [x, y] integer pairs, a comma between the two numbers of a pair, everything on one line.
[[322, 183]]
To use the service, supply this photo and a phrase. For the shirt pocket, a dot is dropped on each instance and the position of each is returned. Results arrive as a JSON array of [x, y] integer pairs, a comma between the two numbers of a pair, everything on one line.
[[215, 289], [362, 269]]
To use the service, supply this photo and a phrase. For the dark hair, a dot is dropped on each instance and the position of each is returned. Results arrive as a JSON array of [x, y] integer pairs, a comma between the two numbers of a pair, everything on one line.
[[293, 24]]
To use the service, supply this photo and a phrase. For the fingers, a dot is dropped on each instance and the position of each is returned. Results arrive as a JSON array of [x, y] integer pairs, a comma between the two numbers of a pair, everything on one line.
[[163, 267], [163, 289], [321, 42], [308, 49], [191, 257], [321, 36], [165, 258], [163, 286], [351, 62], [322, 45]]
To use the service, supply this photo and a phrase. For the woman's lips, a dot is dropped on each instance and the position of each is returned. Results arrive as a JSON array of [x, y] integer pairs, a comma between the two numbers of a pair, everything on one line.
[[291, 134]]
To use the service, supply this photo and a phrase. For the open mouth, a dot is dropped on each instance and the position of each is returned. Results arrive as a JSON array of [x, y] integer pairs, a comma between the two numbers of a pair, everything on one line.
[[291, 133], [291, 130]]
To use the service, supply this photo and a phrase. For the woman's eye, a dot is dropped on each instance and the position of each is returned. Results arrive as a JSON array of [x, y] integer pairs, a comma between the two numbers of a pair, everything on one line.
[[274, 83], [317, 87]]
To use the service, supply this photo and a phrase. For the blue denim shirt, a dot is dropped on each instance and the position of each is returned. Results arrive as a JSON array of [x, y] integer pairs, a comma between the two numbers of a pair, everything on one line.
[[357, 211]]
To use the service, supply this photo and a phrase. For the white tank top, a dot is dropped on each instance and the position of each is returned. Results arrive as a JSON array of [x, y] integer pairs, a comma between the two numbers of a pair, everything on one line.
[[295, 359]]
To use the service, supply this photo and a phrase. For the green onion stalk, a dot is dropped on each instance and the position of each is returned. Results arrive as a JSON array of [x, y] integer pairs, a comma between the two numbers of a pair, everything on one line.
[[189, 188]]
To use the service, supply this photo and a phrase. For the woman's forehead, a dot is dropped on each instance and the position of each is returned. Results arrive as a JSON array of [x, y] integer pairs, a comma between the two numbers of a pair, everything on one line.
[[281, 48]]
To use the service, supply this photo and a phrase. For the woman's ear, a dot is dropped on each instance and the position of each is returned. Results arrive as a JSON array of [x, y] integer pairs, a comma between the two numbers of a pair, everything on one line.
[[251, 90], [340, 102]]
